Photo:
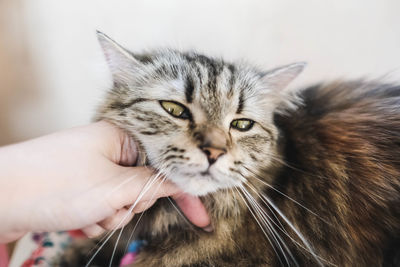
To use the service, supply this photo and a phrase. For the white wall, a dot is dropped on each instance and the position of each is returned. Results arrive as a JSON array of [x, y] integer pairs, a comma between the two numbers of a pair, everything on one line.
[[340, 38]]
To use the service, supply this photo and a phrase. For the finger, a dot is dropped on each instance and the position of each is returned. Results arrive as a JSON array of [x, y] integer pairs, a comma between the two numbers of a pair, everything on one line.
[[136, 182], [93, 230], [129, 151], [194, 210], [121, 218], [143, 205], [115, 143]]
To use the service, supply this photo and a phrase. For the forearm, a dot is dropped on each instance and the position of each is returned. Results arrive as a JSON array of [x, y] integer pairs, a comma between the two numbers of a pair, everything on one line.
[[50, 177], [13, 176]]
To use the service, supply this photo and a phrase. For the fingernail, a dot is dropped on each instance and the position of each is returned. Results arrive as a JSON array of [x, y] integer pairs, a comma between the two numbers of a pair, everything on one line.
[[208, 228]]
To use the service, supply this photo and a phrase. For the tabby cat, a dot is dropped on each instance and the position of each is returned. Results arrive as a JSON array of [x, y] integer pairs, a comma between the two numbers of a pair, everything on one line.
[[289, 177]]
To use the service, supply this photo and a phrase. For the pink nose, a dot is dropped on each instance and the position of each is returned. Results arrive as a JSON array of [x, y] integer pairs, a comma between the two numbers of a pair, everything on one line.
[[213, 153]]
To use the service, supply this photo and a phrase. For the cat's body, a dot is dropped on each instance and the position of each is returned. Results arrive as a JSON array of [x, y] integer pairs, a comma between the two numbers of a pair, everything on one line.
[[323, 165]]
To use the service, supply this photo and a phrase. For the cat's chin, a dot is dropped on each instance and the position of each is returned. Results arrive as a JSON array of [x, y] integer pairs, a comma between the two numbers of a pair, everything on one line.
[[204, 183]]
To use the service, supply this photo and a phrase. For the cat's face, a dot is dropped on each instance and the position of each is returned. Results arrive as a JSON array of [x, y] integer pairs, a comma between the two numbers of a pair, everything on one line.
[[202, 122]]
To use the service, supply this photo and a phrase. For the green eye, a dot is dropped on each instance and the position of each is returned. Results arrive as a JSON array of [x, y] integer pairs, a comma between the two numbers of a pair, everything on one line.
[[175, 109], [242, 124]]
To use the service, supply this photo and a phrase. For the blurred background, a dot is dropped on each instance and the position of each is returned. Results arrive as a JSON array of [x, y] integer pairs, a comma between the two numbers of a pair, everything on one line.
[[53, 74]]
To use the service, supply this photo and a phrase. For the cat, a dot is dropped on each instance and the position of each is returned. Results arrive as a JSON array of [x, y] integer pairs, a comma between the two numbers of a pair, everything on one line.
[[289, 177]]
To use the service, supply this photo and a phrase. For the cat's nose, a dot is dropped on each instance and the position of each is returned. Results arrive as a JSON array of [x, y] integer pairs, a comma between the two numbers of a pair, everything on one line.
[[213, 153]]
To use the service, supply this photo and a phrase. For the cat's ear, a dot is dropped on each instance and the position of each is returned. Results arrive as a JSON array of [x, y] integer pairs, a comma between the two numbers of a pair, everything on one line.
[[279, 78], [121, 62]]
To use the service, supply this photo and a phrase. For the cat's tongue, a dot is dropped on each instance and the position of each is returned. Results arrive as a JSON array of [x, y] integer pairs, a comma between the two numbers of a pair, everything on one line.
[[194, 211]]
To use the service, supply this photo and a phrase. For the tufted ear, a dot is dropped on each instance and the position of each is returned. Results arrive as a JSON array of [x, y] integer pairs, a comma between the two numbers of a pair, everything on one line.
[[279, 78], [121, 62]]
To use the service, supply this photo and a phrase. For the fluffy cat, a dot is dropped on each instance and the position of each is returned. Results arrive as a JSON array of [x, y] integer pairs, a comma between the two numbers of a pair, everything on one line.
[[289, 177]]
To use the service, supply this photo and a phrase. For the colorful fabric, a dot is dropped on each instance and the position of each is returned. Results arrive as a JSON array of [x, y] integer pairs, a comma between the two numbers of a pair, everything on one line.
[[51, 246], [133, 250]]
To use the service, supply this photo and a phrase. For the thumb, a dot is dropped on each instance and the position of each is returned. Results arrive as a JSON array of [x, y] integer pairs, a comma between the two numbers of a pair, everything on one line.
[[137, 184], [141, 184]]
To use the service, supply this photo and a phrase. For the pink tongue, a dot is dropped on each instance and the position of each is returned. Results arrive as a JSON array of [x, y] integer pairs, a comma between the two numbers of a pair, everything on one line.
[[193, 209]]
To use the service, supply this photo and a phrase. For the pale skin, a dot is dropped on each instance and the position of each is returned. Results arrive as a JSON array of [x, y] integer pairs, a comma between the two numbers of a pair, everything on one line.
[[79, 179]]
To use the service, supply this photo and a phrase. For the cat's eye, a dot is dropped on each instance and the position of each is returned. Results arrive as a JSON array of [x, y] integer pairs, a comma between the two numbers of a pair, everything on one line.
[[175, 109], [242, 124]]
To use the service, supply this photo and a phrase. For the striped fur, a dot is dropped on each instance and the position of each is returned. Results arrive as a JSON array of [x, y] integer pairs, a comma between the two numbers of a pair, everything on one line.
[[328, 156]]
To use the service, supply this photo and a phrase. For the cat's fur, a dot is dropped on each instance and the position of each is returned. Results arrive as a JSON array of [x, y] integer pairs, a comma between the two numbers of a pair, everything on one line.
[[327, 156]]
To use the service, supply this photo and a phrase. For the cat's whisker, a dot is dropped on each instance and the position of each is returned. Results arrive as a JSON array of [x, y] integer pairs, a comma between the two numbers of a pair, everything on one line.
[[265, 217], [148, 205], [297, 232], [177, 209], [161, 171], [115, 246], [280, 226], [151, 198], [255, 176], [116, 188], [146, 187], [260, 225], [286, 164], [154, 179], [172, 203], [263, 213], [235, 199], [133, 231], [121, 184], [306, 246], [141, 215], [108, 232]]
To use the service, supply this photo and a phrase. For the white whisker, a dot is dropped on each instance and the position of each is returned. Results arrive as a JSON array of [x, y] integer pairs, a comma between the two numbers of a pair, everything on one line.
[[116, 188], [178, 210], [160, 172], [288, 197], [261, 227], [137, 223], [268, 221], [133, 231], [146, 187], [302, 238], [307, 246], [151, 198], [284, 163]]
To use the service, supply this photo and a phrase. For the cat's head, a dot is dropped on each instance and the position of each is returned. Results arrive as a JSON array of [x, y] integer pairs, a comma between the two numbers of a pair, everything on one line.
[[204, 123]]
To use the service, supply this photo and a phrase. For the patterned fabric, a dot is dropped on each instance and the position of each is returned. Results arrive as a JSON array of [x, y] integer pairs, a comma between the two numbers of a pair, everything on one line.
[[133, 250], [52, 245]]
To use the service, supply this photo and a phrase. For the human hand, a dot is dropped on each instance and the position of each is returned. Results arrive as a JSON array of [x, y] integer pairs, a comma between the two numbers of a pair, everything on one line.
[[79, 179]]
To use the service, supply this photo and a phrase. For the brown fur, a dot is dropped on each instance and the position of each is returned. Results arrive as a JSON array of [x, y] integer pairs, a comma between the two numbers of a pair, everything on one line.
[[342, 161], [338, 154]]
